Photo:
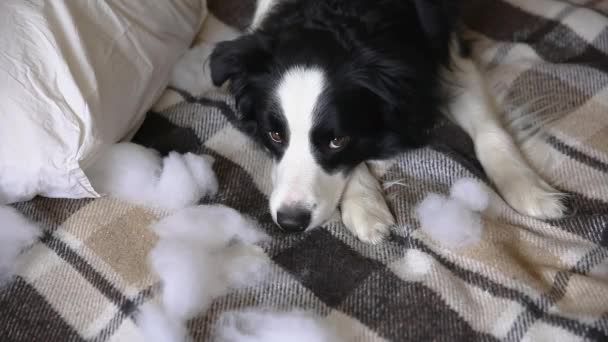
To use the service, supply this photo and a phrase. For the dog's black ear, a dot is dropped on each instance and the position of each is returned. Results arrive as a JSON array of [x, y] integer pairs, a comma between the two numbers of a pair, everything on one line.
[[244, 55], [408, 99], [438, 19]]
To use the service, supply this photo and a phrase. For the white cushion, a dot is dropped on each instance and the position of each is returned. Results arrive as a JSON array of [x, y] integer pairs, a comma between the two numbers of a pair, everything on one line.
[[78, 75]]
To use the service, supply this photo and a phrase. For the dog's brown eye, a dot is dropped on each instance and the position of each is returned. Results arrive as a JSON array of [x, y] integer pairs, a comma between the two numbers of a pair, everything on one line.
[[338, 143], [276, 137]]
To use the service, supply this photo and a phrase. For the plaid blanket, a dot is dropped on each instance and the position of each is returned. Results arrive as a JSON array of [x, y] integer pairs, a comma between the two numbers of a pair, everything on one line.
[[526, 280]]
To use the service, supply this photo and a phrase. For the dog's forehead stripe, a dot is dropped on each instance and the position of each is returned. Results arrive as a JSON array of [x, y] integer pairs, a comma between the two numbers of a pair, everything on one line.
[[298, 93]]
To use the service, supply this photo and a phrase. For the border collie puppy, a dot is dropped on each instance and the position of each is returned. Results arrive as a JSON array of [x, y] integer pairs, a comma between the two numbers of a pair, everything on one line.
[[328, 85]]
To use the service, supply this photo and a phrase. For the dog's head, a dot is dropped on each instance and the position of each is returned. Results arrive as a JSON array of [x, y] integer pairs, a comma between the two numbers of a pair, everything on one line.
[[323, 99]]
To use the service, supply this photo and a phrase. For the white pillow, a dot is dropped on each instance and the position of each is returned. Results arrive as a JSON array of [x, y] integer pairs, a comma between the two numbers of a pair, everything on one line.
[[78, 75]]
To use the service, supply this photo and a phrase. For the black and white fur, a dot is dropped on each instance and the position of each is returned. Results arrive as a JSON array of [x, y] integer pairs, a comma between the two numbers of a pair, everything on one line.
[[328, 85]]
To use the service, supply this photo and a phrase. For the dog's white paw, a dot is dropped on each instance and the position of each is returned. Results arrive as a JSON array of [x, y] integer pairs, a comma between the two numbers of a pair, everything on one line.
[[364, 209], [369, 219], [533, 197]]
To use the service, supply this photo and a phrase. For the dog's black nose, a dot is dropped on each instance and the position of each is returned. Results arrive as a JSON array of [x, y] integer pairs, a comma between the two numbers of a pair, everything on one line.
[[293, 219]]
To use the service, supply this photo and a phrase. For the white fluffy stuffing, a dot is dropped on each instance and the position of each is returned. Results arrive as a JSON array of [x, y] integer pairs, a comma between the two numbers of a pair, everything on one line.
[[139, 175], [243, 265], [201, 168], [192, 277], [472, 193], [157, 326], [263, 326], [203, 252], [16, 234], [184, 180], [212, 226], [124, 170], [449, 222], [455, 222]]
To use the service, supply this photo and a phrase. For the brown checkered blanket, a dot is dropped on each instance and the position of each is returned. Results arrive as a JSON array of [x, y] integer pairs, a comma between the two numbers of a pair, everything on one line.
[[527, 280]]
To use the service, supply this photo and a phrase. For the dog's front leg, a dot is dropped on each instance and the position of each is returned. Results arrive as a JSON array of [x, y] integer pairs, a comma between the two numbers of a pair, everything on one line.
[[474, 109], [364, 209]]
